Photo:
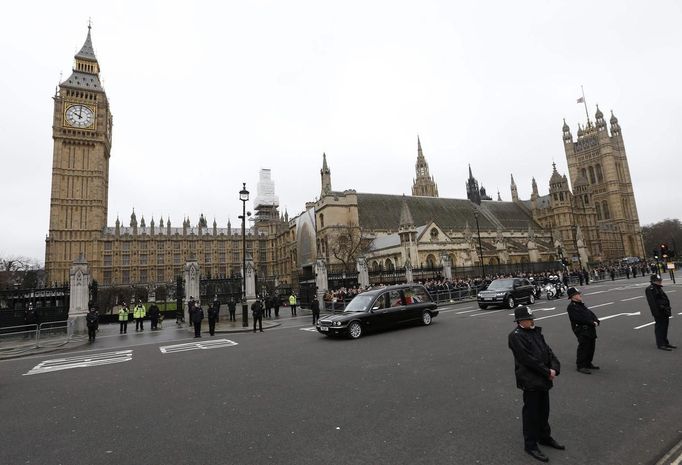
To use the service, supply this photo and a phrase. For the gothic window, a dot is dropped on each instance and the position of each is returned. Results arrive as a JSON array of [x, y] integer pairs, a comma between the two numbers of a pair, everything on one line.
[[143, 245], [107, 246], [434, 233], [561, 196], [159, 260], [605, 208], [107, 260], [586, 199], [584, 172], [389, 265], [600, 175], [598, 211], [207, 258], [431, 261], [125, 246], [592, 177], [321, 221], [126, 259], [125, 276], [222, 257], [176, 245], [143, 259], [143, 276], [176, 258]]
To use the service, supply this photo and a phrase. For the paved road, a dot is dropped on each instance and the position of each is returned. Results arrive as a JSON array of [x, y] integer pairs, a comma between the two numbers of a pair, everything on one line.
[[416, 395]]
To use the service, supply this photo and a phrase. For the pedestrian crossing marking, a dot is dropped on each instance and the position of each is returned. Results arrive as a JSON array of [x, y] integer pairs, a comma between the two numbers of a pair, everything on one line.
[[82, 361], [632, 298], [212, 344]]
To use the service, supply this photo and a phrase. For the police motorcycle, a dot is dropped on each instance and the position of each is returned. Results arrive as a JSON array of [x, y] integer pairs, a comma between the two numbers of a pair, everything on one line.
[[554, 288], [537, 287]]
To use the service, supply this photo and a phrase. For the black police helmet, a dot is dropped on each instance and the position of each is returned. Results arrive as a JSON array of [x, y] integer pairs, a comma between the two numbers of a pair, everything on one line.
[[572, 291], [522, 312], [655, 278]]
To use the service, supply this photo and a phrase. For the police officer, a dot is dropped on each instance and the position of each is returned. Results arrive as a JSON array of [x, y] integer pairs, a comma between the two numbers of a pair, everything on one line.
[[535, 366], [232, 307], [292, 304], [257, 311], [139, 313], [154, 314], [216, 307], [659, 304], [123, 319], [92, 322], [584, 325], [195, 317], [315, 307], [212, 318]]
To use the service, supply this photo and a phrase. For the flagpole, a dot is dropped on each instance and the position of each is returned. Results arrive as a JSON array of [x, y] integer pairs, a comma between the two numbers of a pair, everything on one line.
[[585, 103]]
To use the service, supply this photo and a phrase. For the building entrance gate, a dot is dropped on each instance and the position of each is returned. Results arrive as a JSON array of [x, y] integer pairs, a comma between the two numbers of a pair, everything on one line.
[[224, 289]]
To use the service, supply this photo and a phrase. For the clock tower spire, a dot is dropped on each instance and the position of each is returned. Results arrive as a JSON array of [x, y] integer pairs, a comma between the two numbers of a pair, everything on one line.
[[81, 131]]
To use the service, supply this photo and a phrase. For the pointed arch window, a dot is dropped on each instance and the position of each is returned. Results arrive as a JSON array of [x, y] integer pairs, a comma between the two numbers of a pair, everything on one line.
[[600, 175], [593, 179], [599, 211], [605, 208], [584, 172]]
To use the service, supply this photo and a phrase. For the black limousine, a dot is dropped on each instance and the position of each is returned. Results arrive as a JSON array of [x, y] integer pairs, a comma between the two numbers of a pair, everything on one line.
[[381, 308]]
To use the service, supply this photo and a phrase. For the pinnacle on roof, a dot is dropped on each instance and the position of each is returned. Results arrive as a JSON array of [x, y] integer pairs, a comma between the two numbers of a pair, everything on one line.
[[512, 180], [405, 215], [419, 148], [325, 167], [87, 52]]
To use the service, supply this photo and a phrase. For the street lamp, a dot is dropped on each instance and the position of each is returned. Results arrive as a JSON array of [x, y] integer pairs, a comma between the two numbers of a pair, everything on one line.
[[244, 197], [480, 247]]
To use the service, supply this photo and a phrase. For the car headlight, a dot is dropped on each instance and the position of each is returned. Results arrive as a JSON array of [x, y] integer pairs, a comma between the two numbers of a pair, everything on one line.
[[500, 294], [479, 296], [337, 323]]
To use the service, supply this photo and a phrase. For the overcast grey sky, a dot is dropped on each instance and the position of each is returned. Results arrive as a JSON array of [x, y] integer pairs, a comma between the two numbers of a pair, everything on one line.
[[204, 94]]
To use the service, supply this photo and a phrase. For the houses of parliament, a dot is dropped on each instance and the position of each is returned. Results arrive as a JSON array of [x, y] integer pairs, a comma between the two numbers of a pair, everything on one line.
[[589, 216]]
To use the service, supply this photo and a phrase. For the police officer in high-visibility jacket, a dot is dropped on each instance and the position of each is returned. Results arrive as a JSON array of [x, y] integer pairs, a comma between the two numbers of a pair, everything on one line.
[[139, 312], [292, 304], [123, 318]]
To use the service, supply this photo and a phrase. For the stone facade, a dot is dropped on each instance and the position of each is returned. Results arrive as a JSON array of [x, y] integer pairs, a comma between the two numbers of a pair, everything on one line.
[[595, 221]]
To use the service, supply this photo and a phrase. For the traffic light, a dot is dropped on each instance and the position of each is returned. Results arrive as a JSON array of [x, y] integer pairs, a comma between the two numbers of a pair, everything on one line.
[[655, 254], [664, 250]]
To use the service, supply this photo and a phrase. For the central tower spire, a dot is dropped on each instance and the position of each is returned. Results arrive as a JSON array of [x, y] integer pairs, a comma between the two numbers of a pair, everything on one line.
[[423, 184]]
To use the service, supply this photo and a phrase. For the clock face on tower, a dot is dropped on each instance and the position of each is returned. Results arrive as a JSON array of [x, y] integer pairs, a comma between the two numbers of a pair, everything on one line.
[[80, 116]]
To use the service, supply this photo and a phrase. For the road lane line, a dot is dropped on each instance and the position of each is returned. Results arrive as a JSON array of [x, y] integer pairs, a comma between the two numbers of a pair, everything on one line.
[[596, 292], [601, 305], [648, 324], [632, 298], [644, 326], [468, 311], [550, 316], [485, 312], [618, 314], [539, 310]]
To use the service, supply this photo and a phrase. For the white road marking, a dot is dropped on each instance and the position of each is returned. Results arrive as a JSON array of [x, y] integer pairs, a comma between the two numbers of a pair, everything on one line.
[[311, 329], [644, 326], [618, 314], [670, 292], [632, 298], [212, 344], [82, 361], [550, 316], [539, 310], [596, 292], [467, 311], [485, 312], [648, 324], [601, 305]]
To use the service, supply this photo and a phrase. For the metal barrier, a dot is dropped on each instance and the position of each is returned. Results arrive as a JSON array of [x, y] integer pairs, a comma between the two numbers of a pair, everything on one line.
[[17, 339]]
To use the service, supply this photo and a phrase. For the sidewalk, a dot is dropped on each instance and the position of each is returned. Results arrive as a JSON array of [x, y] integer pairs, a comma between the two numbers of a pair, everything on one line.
[[15, 346]]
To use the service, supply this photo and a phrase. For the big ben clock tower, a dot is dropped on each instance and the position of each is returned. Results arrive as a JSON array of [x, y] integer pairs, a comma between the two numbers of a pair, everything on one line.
[[81, 129]]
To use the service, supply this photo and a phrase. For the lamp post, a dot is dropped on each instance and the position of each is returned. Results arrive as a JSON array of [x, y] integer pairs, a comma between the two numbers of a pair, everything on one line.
[[480, 246], [244, 197]]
